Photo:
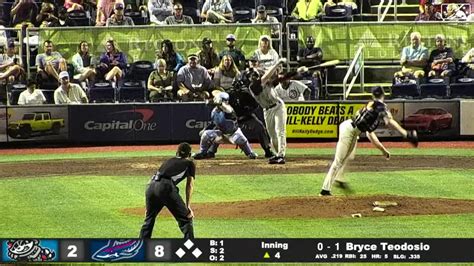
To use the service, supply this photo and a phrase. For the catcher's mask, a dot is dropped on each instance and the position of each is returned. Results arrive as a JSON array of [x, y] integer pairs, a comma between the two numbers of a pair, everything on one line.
[[184, 150]]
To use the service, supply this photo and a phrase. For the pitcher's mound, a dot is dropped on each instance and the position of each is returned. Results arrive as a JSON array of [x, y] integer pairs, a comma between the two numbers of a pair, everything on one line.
[[324, 207]]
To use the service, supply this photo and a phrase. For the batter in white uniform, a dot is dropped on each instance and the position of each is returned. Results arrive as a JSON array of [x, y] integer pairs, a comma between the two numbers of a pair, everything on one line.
[[262, 88], [366, 120]]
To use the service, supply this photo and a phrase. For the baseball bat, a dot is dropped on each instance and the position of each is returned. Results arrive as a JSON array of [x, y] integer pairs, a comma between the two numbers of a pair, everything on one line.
[[326, 64]]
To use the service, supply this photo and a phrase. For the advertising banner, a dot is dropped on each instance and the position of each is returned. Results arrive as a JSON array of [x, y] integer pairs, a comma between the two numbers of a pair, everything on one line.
[[317, 120], [3, 124], [117, 123], [140, 43], [188, 119], [341, 41], [432, 119], [38, 123], [467, 118], [158, 126]]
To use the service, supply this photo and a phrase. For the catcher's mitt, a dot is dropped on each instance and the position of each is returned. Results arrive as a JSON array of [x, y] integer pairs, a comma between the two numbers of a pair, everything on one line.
[[412, 137]]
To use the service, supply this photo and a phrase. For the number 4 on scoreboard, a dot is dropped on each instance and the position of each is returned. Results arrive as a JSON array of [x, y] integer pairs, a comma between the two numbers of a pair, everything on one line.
[[277, 255]]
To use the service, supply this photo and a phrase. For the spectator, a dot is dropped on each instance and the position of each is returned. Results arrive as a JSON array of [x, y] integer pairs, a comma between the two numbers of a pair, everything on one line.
[[347, 3], [112, 63], [84, 70], [455, 12], [263, 17], [118, 18], [72, 5], [292, 90], [11, 64], [267, 56], [468, 59], [160, 83], [307, 10], [174, 60], [429, 13], [413, 60], [24, 11], [105, 9], [69, 93], [178, 17], [237, 55], [50, 63], [226, 73], [193, 81], [434, 5], [62, 20], [32, 95], [311, 56], [441, 60], [217, 11], [159, 10], [46, 17], [208, 58]]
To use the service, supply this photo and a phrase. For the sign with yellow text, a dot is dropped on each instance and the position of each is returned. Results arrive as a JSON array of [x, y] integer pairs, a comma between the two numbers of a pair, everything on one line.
[[314, 120]]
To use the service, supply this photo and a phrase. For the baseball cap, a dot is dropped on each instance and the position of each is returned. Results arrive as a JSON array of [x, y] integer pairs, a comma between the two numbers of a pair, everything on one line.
[[261, 8], [377, 91], [191, 56], [184, 149], [231, 37], [63, 74], [118, 6], [254, 58], [224, 96], [206, 40]]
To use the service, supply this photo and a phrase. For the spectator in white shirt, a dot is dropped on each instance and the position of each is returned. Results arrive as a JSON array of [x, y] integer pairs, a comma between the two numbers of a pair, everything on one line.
[[32, 95], [159, 10], [69, 93], [267, 56], [217, 11], [10, 64]]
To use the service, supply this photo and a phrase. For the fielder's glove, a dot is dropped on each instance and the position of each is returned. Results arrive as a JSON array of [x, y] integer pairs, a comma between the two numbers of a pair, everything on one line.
[[412, 137]]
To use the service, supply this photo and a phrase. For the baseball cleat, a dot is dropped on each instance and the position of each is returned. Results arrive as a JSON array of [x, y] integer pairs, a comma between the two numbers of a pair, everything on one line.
[[252, 155], [277, 160], [204, 155], [325, 193], [269, 154]]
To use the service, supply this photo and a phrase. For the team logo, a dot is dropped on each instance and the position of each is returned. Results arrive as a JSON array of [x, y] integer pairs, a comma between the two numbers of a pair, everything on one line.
[[29, 250], [130, 120], [118, 250], [293, 94]]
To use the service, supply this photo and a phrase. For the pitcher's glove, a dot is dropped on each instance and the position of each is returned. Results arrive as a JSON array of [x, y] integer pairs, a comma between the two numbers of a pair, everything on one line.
[[412, 137]]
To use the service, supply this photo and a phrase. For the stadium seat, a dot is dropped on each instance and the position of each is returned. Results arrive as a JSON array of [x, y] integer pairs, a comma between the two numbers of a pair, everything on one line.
[[137, 17], [79, 18], [275, 12], [140, 70], [462, 90], [102, 92], [405, 91], [338, 13], [193, 13], [273, 3], [243, 14], [49, 95], [243, 3], [190, 3], [15, 93], [132, 91], [434, 90]]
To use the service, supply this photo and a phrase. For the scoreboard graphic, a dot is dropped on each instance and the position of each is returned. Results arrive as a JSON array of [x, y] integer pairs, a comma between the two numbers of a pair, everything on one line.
[[237, 250]]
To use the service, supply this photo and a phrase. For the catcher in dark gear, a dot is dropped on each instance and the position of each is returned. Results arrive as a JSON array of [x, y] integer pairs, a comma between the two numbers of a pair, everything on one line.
[[163, 191], [366, 120]]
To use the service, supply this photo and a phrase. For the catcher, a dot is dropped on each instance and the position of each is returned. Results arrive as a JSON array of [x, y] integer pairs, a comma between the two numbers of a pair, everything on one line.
[[366, 120], [226, 129]]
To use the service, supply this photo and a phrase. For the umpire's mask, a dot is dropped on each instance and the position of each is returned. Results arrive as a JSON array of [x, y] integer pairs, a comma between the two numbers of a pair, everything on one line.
[[184, 150]]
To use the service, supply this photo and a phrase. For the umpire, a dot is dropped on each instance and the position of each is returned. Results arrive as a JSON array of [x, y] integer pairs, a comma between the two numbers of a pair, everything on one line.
[[163, 191]]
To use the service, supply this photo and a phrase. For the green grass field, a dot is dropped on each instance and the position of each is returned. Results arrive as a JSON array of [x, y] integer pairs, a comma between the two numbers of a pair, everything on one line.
[[90, 206]]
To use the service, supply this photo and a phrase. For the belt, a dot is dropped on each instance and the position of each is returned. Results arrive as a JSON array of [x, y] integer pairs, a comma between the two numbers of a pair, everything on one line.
[[271, 106]]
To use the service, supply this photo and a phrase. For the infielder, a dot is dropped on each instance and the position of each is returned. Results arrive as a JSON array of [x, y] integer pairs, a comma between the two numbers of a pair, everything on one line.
[[226, 130], [367, 120], [163, 191], [262, 88]]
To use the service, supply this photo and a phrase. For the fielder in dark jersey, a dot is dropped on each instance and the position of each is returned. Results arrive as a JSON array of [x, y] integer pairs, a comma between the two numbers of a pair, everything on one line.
[[366, 120], [163, 191]]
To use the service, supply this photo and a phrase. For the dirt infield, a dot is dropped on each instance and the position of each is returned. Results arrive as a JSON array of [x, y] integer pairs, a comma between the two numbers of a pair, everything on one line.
[[323, 207], [145, 166]]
